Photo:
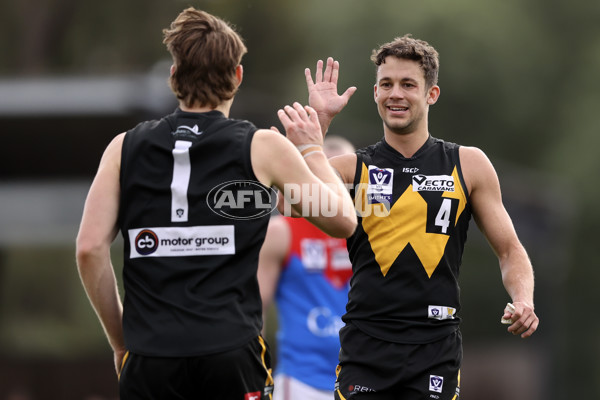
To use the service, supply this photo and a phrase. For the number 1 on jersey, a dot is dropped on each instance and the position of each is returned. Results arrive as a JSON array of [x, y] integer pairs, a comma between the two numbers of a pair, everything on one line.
[[181, 180]]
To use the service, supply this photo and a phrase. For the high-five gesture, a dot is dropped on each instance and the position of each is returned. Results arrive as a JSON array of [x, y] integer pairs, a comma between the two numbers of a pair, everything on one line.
[[323, 92], [301, 125]]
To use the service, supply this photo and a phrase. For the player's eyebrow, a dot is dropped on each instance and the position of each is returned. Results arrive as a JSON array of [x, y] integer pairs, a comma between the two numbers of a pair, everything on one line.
[[402, 80]]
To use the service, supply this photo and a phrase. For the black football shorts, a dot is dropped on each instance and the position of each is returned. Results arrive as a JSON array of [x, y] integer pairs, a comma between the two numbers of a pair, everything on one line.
[[372, 369], [242, 374]]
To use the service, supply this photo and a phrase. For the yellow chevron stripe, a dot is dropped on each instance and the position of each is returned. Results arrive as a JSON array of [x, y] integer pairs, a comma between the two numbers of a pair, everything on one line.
[[390, 232]]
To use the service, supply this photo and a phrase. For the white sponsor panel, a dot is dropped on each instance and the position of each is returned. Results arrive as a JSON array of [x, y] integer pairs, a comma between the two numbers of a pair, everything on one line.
[[182, 241]]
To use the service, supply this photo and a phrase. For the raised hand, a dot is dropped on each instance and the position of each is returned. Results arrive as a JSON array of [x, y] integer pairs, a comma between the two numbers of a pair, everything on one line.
[[323, 92], [301, 125]]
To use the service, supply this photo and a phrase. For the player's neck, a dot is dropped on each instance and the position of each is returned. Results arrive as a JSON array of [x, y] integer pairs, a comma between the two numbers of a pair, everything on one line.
[[406, 144], [223, 107]]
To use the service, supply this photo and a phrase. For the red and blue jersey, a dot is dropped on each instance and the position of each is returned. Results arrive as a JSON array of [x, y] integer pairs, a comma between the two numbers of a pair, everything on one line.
[[311, 298]]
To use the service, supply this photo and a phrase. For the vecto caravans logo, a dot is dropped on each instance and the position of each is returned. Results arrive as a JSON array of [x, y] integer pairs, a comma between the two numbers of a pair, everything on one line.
[[242, 200]]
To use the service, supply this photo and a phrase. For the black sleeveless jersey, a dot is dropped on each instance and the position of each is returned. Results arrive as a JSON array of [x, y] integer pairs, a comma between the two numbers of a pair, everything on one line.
[[189, 270], [407, 249]]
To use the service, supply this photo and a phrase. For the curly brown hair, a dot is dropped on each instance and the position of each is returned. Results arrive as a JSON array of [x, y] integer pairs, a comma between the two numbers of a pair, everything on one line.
[[206, 51], [409, 48]]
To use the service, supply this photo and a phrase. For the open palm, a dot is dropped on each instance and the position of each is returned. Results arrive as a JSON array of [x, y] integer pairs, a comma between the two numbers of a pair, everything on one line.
[[323, 91]]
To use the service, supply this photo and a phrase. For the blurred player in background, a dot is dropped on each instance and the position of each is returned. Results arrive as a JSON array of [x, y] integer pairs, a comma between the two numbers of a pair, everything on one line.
[[190, 324], [415, 195], [307, 273]]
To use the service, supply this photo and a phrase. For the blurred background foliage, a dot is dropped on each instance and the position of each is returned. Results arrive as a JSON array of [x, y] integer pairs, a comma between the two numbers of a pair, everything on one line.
[[518, 79]]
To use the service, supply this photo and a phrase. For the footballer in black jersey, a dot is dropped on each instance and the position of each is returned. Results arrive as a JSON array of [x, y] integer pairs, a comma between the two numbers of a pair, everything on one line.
[[414, 195]]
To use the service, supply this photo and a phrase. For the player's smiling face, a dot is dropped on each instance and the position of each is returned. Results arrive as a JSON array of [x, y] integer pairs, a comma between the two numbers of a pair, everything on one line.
[[402, 96]]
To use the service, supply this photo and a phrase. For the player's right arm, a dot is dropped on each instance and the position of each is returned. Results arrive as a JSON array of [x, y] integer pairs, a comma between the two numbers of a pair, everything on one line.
[[97, 231], [310, 185], [322, 92], [324, 98]]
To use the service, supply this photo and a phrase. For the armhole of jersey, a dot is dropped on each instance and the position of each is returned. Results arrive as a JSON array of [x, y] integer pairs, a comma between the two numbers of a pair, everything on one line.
[[460, 172], [357, 174], [246, 153], [123, 166]]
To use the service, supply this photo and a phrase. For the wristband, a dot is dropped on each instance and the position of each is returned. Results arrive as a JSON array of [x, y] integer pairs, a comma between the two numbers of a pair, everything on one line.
[[308, 149]]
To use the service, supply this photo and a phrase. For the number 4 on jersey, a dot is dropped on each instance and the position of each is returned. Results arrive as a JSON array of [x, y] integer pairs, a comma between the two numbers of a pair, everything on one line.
[[442, 218]]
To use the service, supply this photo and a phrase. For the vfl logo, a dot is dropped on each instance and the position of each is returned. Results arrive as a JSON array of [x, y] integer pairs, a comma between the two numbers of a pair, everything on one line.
[[436, 383], [242, 200], [146, 242], [441, 312], [381, 181], [380, 178]]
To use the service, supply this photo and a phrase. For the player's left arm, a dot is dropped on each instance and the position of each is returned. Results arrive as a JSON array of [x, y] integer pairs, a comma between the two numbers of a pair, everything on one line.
[[495, 223]]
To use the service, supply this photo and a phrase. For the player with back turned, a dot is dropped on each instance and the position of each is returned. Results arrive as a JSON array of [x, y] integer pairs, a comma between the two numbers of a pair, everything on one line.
[[415, 195], [190, 323]]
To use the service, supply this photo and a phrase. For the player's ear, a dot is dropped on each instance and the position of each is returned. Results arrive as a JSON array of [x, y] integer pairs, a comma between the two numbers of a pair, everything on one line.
[[239, 73], [433, 94], [172, 70], [375, 93]]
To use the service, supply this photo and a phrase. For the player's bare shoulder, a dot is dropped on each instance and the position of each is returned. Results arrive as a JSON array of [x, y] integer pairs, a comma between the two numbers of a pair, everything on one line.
[[268, 151], [112, 153], [345, 165], [476, 167]]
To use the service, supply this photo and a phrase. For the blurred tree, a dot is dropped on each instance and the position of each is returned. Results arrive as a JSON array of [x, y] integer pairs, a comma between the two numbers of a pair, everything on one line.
[[45, 24]]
